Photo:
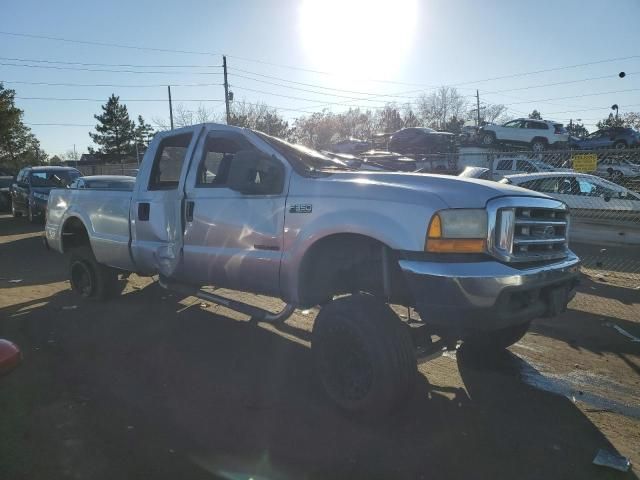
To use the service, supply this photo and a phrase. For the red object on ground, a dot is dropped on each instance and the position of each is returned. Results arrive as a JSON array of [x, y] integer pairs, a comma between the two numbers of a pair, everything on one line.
[[10, 356]]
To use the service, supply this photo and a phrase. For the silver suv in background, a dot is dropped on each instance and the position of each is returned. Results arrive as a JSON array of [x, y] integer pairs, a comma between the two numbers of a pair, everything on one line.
[[538, 134], [617, 169]]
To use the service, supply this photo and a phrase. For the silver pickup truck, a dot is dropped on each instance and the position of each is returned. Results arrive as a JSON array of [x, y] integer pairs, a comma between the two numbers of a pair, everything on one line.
[[238, 209]]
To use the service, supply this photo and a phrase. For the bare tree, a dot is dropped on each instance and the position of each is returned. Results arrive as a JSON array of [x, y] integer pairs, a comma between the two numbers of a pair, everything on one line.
[[70, 156], [184, 117], [441, 106]]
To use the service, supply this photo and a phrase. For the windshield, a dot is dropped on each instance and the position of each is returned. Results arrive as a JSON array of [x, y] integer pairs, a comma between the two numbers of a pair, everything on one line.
[[303, 158], [56, 178]]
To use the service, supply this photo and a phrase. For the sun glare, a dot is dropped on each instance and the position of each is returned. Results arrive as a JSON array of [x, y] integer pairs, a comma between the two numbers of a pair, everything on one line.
[[357, 37]]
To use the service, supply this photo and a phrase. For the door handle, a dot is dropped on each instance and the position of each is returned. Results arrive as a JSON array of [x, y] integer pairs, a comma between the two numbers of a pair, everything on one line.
[[143, 211], [189, 210]]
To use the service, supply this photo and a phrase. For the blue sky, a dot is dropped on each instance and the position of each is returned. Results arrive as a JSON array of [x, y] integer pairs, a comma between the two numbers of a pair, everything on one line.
[[394, 47]]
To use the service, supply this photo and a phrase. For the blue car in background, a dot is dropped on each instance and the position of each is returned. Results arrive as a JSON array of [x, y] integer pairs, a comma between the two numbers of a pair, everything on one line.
[[614, 137]]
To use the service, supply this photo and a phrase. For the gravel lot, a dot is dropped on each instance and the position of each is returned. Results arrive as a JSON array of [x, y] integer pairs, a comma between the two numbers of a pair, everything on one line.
[[153, 385]]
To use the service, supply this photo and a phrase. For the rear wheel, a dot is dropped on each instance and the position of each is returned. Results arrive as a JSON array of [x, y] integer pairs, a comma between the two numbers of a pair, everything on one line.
[[363, 355], [620, 145], [91, 279], [495, 341], [538, 145]]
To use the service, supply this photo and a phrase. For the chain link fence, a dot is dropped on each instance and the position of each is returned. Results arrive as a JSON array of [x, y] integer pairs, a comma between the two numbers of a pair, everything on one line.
[[130, 169]]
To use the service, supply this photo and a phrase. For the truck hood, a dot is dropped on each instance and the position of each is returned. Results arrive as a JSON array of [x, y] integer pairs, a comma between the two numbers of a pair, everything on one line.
[[454, 192]]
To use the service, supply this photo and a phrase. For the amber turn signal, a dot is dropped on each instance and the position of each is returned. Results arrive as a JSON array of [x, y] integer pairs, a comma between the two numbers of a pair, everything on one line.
[[456, 245]]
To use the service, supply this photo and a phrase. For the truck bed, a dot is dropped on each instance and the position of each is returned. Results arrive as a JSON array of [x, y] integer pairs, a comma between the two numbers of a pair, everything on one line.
[[104, 213]]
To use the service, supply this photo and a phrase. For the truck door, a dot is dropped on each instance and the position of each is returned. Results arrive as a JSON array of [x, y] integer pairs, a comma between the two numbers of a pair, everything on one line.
[[157, 207], [235, 208]]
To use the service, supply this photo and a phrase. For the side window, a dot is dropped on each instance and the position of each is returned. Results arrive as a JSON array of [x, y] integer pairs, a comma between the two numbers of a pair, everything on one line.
[[167, 166], [545, 185], [504, 165], [513, 124], [218, 155], [524, 166]]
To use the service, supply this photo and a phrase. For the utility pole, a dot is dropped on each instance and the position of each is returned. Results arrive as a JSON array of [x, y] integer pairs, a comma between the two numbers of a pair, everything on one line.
[[478, 104], [75, 155], [170, 107], [226, 88]]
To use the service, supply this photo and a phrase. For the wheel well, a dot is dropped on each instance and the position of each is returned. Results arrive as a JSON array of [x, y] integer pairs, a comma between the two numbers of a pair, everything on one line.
[[74, 234], [541, 139], [348, 263]]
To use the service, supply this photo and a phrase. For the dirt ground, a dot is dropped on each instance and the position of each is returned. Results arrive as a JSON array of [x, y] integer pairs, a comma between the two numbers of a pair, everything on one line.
[[152, 385]]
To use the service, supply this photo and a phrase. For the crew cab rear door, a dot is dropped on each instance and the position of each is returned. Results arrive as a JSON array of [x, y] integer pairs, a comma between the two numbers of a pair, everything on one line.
[[157, 206]]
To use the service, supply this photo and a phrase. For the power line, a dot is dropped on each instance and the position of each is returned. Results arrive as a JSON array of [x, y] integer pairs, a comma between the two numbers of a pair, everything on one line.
[[319, 86], [314, 85], [106, 64], [105, 44], [305, 69], [556, 83], [302, 98], [59, 124], [81, 69], [575, 96], [122, 100], [163, 85]]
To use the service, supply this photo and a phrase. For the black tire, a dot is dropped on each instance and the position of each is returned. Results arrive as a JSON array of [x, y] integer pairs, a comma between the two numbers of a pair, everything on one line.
[[616, 176], [620, 145], [488, 139], [363, 355], [91, 279], [496, 341], [538, 145]]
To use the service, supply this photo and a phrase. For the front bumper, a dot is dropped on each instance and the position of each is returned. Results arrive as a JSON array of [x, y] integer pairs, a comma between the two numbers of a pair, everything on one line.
[[488, 295]]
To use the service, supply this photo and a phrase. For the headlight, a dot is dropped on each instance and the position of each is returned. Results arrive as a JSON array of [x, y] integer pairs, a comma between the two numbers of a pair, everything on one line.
[[457, 231], [41, 196]]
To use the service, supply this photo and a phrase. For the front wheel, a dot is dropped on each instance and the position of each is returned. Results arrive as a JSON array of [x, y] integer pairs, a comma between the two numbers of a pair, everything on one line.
[[363, 355], [497, 340], [616, 176], [620, 145], [488, 139]]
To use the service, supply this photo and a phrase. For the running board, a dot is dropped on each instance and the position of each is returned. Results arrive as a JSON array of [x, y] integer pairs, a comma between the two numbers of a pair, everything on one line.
[[257, 314]]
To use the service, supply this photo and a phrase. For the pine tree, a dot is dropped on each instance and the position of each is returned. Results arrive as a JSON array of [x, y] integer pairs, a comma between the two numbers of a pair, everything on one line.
[[18, 146], [143, 134], [115, 130], [535, 115]]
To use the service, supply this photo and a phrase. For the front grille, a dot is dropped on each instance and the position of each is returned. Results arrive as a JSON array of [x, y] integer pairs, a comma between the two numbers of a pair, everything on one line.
[[540, 232], [528, 229]]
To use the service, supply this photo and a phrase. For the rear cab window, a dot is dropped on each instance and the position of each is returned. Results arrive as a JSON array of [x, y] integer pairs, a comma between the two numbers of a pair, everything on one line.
[[169, 161]]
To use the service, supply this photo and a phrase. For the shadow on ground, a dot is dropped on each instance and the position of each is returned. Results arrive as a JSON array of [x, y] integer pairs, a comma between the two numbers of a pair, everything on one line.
[[143, 388]]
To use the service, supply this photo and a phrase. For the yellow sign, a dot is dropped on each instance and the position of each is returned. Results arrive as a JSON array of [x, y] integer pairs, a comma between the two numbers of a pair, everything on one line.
[[585, 162]]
